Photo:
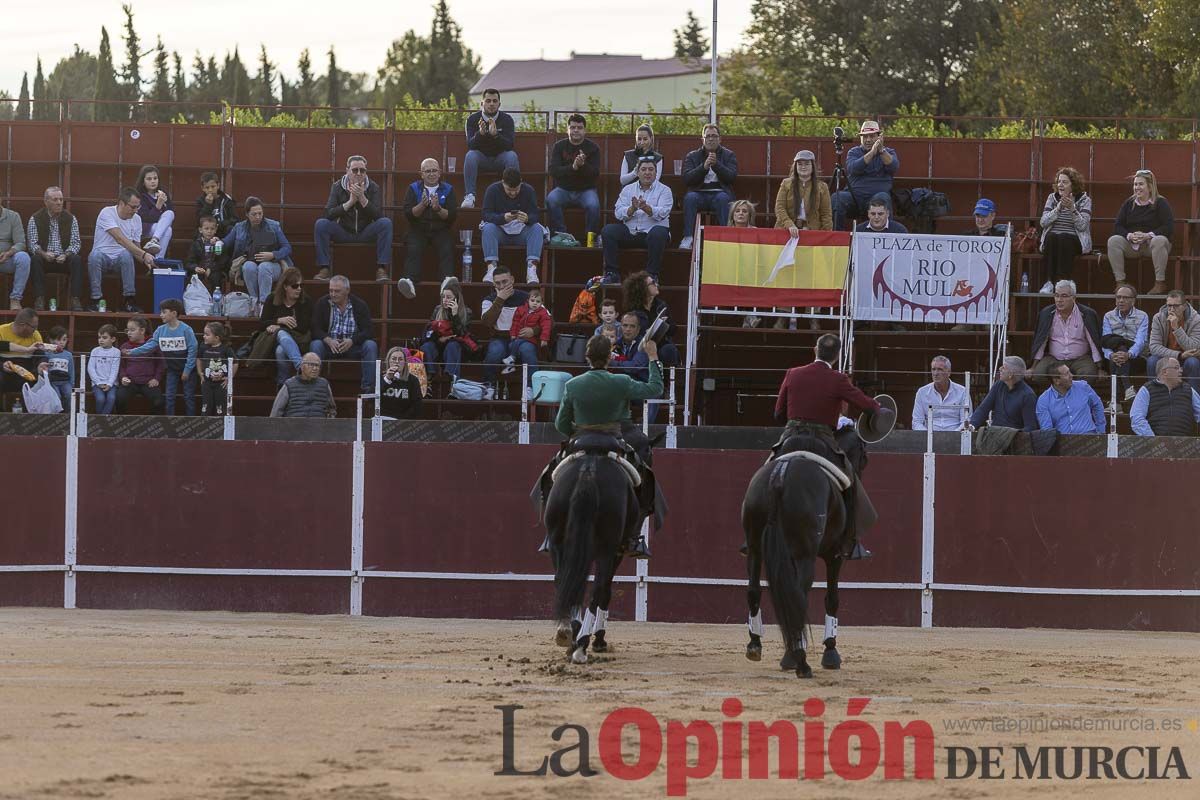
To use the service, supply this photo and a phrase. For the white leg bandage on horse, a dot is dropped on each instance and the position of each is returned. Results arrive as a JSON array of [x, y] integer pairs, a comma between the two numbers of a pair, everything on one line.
[[589, 624], [803, 643], [830, 627], [756, 626], [601, 620], [578, 615]]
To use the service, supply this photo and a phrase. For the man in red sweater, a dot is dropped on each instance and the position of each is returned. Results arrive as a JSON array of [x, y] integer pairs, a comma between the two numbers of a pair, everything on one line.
[[810, 400]]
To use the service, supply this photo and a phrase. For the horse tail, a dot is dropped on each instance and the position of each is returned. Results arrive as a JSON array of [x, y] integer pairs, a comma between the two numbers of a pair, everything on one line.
[[576, 557], [785, 581]]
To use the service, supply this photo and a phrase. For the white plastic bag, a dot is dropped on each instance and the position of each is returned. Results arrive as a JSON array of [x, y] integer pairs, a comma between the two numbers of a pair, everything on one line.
[[41, 398], [196, 299]]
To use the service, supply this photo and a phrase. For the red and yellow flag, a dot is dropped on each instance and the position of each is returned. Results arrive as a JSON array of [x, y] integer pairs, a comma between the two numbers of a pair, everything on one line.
[[757, 267]]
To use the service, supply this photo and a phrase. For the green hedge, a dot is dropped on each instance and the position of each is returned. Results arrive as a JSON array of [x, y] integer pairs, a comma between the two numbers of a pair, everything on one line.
[[803, 120]]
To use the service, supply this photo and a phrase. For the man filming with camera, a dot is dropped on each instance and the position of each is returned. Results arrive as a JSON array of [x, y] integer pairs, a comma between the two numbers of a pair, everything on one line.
[[871, 168]]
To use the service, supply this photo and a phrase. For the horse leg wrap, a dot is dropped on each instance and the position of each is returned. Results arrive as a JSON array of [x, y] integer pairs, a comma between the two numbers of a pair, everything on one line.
[[589, 624], [756, 624], [601, 619], [802, 641], [831, 626]]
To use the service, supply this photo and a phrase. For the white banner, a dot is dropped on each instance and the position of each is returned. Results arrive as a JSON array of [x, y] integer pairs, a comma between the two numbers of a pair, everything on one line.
[[900, 277]]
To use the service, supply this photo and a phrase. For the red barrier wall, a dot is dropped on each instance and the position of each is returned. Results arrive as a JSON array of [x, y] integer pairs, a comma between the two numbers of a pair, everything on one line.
[[1066, 522], [31, 526], [463, 508]]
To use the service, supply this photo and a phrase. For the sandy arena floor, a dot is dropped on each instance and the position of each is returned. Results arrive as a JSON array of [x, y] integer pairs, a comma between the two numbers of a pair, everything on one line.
[[134, 705]]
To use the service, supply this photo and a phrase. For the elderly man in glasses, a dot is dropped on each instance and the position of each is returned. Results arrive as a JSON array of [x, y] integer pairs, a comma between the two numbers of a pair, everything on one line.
[[430, 208], [1067, 333], [354, 213]]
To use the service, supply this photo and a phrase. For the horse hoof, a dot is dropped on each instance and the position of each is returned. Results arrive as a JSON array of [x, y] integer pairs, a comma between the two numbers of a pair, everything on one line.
[[754, 652], [563, 637], [787, 663], [600, 647], [831, 659], [804, 671], [580, 656]]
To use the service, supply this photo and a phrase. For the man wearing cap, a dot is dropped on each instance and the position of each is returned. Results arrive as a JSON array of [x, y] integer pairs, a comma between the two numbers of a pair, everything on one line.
[[985, 220], [810, 399], [870, 168], [708, 173]]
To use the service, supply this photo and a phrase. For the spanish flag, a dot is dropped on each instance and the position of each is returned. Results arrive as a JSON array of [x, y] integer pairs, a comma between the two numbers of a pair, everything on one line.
[[764, 267]]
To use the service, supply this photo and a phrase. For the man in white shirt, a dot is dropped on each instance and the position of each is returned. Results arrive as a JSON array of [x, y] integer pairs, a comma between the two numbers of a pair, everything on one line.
[[115, 248], [950, 401], [643, 211]]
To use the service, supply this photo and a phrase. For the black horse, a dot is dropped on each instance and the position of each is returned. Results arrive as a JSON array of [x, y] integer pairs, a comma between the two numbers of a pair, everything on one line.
[[591, 510], [792, 514]]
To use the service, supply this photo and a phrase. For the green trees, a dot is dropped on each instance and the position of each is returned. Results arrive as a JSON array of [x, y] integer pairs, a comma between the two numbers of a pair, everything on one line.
[[690, 41], [428, 68]]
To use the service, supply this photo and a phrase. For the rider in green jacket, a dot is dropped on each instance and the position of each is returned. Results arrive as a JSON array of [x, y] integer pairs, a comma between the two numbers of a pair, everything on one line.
[[598, 402]]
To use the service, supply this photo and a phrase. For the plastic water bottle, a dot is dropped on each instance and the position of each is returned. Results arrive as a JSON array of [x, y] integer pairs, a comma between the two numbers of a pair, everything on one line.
[[1024, 283], [18, 408], [54, 304], [216, 305], [103, 306], [466, 265], [218, 246]]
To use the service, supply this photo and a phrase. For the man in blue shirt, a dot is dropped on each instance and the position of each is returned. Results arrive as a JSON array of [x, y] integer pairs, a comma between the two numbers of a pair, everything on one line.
[[1166, 406], [1124, 336], [1070, 406], [1011, 401]]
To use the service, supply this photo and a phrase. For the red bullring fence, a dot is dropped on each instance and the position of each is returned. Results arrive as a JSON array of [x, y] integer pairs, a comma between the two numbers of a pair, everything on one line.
[[446, 530]]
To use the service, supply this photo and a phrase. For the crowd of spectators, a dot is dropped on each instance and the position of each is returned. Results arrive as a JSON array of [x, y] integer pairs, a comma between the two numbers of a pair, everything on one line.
[[243, 246]]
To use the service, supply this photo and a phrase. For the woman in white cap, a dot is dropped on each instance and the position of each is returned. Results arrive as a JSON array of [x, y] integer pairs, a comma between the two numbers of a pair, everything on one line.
[[802, 202]]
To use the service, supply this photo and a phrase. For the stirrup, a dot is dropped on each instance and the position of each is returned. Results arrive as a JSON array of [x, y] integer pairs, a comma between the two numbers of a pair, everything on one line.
[[858, 553]]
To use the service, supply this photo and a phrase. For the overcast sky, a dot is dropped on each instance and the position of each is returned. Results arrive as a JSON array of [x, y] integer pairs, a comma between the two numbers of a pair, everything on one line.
[[525, 29]]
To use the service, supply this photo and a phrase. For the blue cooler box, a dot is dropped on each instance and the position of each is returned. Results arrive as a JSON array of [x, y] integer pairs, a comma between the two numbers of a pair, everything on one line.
[[170, 278], [548, 386]]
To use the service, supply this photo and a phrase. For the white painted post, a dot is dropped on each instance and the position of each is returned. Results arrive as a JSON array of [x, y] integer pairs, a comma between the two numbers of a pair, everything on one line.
[[523, 426], [1113, 440], [964, 438], [928, 491], [356, 524], [70, 517]]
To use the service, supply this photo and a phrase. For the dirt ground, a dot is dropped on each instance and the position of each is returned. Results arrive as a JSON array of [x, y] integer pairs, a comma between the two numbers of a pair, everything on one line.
[[135, 705]]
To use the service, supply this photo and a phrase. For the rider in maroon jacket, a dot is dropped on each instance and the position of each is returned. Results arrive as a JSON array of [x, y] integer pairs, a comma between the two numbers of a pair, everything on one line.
[[810, 400]]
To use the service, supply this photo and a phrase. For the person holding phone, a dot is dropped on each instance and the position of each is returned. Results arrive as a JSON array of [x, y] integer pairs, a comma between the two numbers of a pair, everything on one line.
[[447, 335]]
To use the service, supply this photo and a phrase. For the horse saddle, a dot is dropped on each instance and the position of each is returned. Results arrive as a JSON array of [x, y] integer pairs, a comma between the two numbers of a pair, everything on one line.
[[836, 474], [596, 442]]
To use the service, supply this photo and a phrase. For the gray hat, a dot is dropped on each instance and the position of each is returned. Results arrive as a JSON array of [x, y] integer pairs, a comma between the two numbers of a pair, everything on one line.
[[805, 155]]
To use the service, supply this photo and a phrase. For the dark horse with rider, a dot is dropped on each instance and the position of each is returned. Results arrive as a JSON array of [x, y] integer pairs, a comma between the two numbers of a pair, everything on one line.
[[597, 491], [808, 501]]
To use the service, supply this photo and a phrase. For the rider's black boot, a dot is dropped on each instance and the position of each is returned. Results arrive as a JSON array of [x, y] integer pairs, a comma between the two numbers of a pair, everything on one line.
[[637, 548]]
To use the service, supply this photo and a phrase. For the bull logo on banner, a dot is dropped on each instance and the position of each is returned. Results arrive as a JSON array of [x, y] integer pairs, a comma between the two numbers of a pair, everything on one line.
[[925, 278]]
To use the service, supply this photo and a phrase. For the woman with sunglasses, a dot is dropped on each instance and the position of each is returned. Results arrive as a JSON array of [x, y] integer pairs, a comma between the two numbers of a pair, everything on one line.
[[1143, 226], [287, 315]]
